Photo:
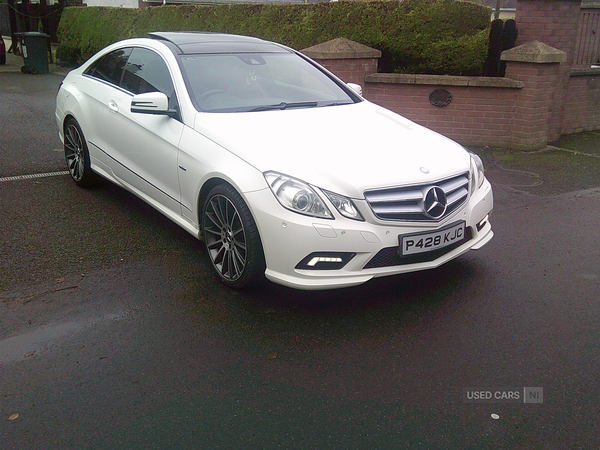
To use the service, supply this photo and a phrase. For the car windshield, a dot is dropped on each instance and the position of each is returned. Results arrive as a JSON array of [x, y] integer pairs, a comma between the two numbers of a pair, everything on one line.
[[258, 82]]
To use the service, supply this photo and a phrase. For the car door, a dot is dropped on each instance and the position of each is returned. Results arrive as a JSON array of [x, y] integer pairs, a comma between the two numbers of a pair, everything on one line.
[[145, 146], [98, 81]]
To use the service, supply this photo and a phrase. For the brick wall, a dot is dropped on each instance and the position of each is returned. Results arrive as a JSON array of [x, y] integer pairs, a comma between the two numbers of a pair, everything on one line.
[[582, 106], [477, 115], [541, 97], [350, 70], [535, 107]]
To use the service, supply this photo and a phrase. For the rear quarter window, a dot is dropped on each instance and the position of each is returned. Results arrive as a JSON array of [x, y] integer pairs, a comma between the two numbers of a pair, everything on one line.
[[110, 67]]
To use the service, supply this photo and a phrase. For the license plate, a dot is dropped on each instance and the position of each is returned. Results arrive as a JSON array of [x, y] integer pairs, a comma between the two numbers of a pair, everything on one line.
[[414, 244]]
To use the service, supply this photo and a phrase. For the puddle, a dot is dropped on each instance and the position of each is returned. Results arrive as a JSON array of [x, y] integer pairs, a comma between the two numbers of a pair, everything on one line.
[[513, 178], [549, 171]]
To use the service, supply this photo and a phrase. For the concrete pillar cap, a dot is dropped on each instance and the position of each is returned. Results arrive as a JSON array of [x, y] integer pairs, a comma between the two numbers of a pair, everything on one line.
[[535, 52], [341, 48]]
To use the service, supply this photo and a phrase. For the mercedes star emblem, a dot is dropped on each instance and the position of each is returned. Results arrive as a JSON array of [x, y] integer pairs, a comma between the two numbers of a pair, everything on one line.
[[435, 202]]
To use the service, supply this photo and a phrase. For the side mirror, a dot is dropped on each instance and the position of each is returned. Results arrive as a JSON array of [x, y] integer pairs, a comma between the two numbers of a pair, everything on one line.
[[152, 103], [355, 87]]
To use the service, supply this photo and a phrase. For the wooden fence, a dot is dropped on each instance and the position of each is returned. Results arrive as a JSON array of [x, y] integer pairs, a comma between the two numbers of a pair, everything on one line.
[[587, 49]]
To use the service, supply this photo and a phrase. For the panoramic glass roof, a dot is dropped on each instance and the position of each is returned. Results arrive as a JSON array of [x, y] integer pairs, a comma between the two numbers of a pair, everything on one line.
[[197, 43]]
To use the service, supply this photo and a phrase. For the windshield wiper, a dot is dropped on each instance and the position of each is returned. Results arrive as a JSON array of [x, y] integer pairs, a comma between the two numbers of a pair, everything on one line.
[[339, 103], [284, 105]]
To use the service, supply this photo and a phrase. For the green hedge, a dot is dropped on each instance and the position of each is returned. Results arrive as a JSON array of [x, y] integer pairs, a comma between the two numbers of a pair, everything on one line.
[[418, 36]]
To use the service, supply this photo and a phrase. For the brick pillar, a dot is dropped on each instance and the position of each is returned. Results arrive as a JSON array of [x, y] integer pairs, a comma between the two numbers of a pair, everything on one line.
[[538, 66], [348, 60], [555, 23]]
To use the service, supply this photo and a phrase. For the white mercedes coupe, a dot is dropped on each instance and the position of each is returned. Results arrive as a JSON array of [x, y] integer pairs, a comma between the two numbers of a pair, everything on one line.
[[282, 169]]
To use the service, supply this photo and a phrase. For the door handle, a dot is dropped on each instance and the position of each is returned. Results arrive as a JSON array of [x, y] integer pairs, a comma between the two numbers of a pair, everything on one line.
[[113, 106]]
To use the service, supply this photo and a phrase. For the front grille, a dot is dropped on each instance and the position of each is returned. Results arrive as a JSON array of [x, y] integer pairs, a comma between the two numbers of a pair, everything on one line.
[[407, 203], [388, 257]]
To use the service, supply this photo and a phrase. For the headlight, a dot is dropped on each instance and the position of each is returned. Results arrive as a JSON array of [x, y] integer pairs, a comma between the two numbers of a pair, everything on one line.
[[477, 170], [297, 196], [344, 205]]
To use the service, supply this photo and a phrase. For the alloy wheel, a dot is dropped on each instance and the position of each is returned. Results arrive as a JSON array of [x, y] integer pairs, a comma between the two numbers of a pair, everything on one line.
[[74, 152], [225, 237]]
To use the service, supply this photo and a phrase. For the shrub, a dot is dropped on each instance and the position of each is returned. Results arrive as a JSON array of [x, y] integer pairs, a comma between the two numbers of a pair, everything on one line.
[[426, 36]]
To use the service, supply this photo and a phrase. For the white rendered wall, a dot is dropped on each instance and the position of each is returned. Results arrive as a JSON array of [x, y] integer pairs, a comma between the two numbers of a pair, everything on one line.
[[117, 3]]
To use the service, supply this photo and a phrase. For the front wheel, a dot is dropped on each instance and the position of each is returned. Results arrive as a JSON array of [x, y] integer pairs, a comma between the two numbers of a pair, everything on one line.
[[231, 238], [77, 155]]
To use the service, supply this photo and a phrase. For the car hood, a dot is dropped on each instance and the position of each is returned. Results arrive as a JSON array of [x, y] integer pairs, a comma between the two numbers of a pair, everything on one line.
[[345, 149]]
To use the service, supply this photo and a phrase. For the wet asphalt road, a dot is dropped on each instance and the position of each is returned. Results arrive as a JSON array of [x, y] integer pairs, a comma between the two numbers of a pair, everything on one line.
[[115, 334]]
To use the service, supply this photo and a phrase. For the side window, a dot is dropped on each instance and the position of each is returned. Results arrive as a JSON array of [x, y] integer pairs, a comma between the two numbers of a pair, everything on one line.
[[110, 67], [145, 72]]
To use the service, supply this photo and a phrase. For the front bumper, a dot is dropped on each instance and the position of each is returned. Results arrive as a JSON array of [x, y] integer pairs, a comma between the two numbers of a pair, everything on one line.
[[288, 238]]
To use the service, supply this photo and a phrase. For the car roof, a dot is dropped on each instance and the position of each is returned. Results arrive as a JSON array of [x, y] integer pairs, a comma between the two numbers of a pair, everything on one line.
[[188, 43]]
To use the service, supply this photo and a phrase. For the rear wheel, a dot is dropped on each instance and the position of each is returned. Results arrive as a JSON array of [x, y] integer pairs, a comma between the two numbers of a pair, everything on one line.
[[231, 238], [77, 155]]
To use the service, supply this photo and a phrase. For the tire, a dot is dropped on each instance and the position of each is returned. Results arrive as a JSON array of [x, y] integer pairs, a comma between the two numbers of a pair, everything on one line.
[[231, 238], [77, 155]]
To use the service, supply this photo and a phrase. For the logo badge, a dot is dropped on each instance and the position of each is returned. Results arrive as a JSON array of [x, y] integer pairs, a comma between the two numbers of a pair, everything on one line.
[[435, 202]]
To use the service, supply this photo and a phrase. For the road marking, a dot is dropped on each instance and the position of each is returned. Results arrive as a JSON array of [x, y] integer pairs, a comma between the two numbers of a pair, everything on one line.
[[36, 175]]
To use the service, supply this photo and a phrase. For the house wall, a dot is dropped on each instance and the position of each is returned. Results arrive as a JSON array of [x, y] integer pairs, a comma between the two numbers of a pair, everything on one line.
[[114, 3], [555, 23]]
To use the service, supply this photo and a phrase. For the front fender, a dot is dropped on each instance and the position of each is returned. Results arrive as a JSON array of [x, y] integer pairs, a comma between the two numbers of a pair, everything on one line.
[[201, 160]]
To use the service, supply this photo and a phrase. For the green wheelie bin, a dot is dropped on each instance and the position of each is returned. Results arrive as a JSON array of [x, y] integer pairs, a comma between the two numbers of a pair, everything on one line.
[[34, 46]]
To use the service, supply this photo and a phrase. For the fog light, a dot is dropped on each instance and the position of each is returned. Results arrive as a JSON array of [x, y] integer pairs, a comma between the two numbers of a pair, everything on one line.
[[325, 261], [483, 223]]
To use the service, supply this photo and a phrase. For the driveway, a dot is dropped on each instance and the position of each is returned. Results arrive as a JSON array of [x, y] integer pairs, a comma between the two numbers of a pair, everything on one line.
[[114, 333]]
